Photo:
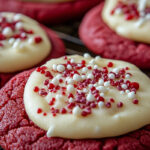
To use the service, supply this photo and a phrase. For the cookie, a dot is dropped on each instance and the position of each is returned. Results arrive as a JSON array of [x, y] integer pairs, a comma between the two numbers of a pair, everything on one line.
[[49, 12], [21, 50], [18, 131], [102, 40]]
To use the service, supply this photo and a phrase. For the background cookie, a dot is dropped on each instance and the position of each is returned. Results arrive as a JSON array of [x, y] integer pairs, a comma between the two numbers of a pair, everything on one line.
[[18, 131], [100, 39], [49, 13], [58, 50]]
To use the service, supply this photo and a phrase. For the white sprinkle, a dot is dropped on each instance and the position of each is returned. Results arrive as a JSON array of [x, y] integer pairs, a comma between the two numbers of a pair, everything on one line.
[[86, 55], [60, 68], [70, 88], [90, 97], [69, 67], [50, 131], [127, 76], [95, 66], [19, 25], [76, 111], [7, 31], [121, 92], [70, 100], [31, 41], [72, 60], [127, 91], [102, 94], [116, 70], [118, 11], [97, 58], [11, 40], [101, 89], [147, 16], [140, 22], [84, 70], [16, 43], [101, 82], [92, 62], [83, 77], [142, 5], [107, 83], [17, 17], [111, 76], [79, 65], [95, 84], [124, 86], [131, 95], [85, 90], [54, 67], [59, 97], [90, 75], [55, 81], [58, 76], [69, 80], [76, 77], [100, 104], [90, 85]]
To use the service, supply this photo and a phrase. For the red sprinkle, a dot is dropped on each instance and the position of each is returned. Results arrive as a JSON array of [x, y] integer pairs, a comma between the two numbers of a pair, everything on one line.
[[38, 39], [110, 64], [44, 114], [39, 110], [135, 101], [135, 85], [108, 104], [120, 104], [36, 89]]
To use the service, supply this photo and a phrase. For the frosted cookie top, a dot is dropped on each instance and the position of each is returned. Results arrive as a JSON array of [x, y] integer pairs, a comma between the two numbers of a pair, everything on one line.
[[23, 43], [49, 1], [129, 18], [83, 97]]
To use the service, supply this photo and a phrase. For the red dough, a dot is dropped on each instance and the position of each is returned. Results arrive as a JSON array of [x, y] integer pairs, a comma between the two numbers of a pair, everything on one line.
[[58, 50], [17, 131], [100, 39], [49, 13]]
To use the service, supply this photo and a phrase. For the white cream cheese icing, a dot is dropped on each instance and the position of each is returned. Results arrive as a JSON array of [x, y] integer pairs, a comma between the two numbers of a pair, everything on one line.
[[133, 24], [23, 43], [83, 97]]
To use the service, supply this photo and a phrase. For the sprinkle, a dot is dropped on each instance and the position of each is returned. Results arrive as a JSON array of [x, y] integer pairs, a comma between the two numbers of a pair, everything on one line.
[[76, 111], [69, 81], [70, 88], [84, 70], [101, 82], [60, 68], [39, 110], [86, 55], [135, 101], [107, 83], [102, 94], [100, 104], [98, 58], [71, 100], [7, 31], [121, 92], [76, 77], [31, 40], [19, 25], [11, 40], [120, 104], [72, 60], [54, 67], [95, 67], [83, 77], [50, 131], [90, 76], [90, 97], [131, 95], [127, 76], [110, 64], [17, 17], [116, 70], [101, 89], [69, 67], [124, 86], [55, 81], [127, 91], [37, 39], [111, 76], [92, 62]]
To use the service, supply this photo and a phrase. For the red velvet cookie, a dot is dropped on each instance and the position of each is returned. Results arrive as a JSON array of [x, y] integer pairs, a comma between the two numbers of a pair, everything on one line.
[[17, 131], [57, 50], [49, 13], [102, 40]]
